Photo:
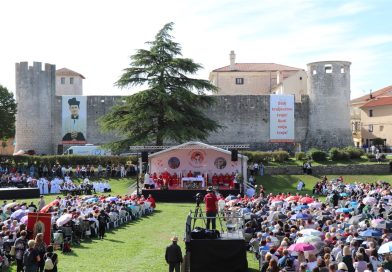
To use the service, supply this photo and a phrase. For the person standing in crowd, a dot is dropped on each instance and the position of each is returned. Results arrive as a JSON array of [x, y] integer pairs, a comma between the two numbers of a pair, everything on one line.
[[41, 202], [31, 258], [20, 247], [211, 202], [53, 256], [103, 219], [173, 255], [40, 246]]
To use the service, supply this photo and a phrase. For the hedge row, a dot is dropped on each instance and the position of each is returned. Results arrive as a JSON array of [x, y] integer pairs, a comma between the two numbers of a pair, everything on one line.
[[265, 157], [67, 160], [346, 153]]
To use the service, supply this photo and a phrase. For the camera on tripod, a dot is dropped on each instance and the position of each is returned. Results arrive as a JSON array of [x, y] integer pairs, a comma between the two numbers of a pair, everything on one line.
[[199, 199]]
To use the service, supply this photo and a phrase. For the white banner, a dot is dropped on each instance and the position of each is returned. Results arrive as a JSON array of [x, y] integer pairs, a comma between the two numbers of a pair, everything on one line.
[[74, 119], [282, 118]]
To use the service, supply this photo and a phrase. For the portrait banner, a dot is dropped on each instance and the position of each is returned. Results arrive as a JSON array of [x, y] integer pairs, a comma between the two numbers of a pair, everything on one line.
[[39, 223], [282, 118], [74, 119]]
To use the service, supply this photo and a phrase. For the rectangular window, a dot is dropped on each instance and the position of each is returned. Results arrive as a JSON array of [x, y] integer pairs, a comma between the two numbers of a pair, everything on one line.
[[381, 128], [239, 81], [370, 113], [370, 128], [71, 80], [63, 80]]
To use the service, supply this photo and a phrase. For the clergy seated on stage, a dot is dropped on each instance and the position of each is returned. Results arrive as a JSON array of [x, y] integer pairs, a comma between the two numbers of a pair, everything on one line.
[[225, 181]]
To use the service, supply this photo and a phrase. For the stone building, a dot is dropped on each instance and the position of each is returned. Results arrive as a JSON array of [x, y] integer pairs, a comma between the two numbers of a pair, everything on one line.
[[371, 117], [320, 114], [68, 82], [249, 78]]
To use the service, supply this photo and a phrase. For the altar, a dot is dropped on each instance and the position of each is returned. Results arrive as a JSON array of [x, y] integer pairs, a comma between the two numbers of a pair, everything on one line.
[[192, 182]]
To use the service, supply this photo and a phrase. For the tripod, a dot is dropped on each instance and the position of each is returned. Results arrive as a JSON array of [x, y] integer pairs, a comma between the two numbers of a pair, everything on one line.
[[198, 214]]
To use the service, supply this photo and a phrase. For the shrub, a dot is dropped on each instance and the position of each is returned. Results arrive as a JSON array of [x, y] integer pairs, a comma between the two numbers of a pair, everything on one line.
[[317, 155], [370, 157], [335, 154], [258, 156], [300, 156], [280, 156], [354, 153]]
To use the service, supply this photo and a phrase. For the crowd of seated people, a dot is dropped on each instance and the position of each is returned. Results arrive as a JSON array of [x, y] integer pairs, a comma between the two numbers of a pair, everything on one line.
[[345, 232], [73, 219]]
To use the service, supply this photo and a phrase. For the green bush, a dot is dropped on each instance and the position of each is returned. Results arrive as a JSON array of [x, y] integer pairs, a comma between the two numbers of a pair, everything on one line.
[[370, 157], [338, 154], [280, 156], [317, 155], [300, 156], [354, 153]]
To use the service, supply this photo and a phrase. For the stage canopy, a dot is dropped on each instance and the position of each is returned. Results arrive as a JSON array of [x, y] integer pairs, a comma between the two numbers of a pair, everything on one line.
[[197, 157]]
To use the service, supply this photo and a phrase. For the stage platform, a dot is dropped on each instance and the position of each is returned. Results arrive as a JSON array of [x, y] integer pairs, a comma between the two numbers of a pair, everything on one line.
[[182, 195], [18, 193]]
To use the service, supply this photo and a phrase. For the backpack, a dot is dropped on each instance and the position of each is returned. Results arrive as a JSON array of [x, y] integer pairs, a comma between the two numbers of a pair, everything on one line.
[[28, 258], [48, 263]]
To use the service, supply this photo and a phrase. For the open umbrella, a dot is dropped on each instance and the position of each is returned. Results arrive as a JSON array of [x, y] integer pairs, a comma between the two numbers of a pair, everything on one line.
[[306, 200], [23, 220], [301, 207], [343, 194], [309, 239], [369, 200], [379, 223], [370, 233], [230, 197], [276, 216], [385, 248], [64, 219], [310, 232], [301, 247], [46, 208], [300, 216], [18, 214], [353, 204], [92, 200], [343, 210], [111, 198], [293, 198], [315, 205]]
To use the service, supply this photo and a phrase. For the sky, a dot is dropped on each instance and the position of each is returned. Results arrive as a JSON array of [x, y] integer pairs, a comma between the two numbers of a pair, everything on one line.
[[96, 38]]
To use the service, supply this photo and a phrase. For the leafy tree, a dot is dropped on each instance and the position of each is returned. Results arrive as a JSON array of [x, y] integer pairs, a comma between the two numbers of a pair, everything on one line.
[[7, 114], [171, 107]]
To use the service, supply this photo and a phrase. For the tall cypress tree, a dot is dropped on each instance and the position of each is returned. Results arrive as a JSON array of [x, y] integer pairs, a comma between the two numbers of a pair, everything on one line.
[[172, 105]]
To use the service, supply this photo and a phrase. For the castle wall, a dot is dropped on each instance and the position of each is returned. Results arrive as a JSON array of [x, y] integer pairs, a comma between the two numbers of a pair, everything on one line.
[[35, 90], [246, 120]]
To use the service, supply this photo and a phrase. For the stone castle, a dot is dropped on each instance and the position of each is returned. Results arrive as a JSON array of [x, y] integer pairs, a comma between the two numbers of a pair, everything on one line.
[[321, 110]]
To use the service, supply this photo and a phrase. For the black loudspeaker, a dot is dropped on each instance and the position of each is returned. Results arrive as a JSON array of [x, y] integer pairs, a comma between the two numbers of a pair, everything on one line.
[[144, 156], [234, 155], [60, 149]]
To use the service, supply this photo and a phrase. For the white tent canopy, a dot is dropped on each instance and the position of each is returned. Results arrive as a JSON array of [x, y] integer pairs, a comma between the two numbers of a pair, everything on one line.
[[197, 157]]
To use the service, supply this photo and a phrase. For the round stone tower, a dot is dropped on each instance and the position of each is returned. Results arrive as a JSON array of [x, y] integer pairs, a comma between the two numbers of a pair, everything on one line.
[[35, 94], [329, 105]]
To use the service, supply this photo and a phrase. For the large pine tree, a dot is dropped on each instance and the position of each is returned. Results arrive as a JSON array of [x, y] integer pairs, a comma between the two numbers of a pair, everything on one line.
[[172, 105]]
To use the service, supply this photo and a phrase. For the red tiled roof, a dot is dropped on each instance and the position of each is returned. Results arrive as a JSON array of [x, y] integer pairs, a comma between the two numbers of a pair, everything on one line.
[[387, 91], [67, 72], [382, 101], [256, 67]]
